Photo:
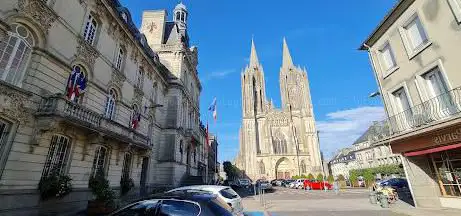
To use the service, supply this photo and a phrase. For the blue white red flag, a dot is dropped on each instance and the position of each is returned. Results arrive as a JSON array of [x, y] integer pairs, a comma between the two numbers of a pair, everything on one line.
[[76, 84], [213, 108]]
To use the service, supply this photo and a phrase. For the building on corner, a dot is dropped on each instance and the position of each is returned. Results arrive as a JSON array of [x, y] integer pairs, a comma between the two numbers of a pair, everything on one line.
[[414, 53]]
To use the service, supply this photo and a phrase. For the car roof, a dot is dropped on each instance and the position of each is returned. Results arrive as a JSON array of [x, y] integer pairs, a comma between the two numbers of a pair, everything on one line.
[[213, 188]]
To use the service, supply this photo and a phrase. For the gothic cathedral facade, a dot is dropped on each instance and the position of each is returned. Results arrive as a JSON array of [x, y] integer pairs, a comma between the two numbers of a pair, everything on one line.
[[277, 143]]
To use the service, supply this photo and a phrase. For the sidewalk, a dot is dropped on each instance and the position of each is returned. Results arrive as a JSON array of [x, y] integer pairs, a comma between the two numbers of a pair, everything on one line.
[[253, 207], [403, 208]]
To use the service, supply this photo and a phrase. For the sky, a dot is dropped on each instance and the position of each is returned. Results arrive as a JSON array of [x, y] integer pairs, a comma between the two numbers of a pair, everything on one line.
[[323, 36]]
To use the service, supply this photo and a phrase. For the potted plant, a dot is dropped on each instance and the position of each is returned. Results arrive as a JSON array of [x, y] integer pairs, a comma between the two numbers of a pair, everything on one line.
[[104, 196], [54, 185], [126, 183]]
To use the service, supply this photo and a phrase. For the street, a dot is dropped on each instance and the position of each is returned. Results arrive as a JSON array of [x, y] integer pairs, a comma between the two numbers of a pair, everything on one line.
[[287, 202]]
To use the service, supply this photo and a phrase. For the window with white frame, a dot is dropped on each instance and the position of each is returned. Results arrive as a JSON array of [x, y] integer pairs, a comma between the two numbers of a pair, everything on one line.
[[415, 34], [15, 52], [440, 102], [57, 157], [401, 102], [5, 128], [456, 9], [100, 160], [119, 59], [126, 170], [91, 26], [110, 104], [140, 78], [387, 58], [435, 83]]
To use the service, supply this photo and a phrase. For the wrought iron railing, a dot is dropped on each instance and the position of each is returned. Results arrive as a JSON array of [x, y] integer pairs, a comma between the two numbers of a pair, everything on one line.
[[441, 107], [59, 106]]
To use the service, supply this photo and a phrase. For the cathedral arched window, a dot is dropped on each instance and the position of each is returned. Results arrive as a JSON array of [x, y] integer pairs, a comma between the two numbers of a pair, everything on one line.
[[262, 168], [280, 146], [303, 167]]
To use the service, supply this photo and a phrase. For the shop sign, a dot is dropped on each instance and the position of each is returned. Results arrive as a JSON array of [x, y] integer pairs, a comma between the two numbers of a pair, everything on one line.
[[449, 137]]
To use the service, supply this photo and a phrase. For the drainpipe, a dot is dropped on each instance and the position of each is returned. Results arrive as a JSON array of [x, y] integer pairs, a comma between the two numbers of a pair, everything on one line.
[[375, 73]]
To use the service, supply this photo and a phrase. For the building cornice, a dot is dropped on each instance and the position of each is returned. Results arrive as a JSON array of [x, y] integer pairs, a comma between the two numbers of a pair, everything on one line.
[[386, 23]]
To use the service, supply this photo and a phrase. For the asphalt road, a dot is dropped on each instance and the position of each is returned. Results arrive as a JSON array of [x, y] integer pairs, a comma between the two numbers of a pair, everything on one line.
[[288, 202]]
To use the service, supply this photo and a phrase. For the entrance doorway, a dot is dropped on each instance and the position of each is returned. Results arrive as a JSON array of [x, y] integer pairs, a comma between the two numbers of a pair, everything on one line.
[[143, 180], [283, 168]]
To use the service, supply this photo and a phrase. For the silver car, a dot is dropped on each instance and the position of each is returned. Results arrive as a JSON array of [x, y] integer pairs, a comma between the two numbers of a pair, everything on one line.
[[224, 192], [264, 184]]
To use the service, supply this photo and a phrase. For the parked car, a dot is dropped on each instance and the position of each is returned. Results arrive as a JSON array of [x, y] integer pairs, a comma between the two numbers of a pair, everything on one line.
[[278, 182], [178, 203], [396, 183], [224, 192], [264, 184], [299, 183], [244, 183], [286, 183], [317, 185]]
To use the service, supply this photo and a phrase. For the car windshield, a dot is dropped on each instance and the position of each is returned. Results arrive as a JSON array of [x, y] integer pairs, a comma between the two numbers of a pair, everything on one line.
[[228, 193]]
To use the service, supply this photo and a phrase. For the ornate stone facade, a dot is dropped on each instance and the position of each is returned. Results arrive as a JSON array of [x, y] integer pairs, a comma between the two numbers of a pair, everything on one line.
[[277, 143]]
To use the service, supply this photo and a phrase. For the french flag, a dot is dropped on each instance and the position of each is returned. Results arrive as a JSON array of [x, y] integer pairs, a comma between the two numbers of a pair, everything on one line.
[[135, 121], [76, 84], [213, 108]]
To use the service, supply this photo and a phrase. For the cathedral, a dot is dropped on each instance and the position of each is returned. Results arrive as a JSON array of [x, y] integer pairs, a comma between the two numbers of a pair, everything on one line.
[[277, 143]]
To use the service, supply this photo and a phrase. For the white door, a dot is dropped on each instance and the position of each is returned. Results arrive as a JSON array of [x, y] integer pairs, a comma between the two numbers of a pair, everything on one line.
[[439, 100], [402, 111]]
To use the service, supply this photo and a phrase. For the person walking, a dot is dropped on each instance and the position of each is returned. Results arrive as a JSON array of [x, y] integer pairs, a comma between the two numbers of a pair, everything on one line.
[[336, 187]]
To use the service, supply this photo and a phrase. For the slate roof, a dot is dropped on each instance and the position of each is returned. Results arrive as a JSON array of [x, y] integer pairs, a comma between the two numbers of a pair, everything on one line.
[[376, 130]]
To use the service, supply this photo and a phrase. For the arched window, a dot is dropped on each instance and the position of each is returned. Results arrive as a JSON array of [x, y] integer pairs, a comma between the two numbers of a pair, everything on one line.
[[99, 161], [15, 51], [178, 16], [57, 157], [126, 170], [135, 117], [303, 167], [262, 168], [110, 104]]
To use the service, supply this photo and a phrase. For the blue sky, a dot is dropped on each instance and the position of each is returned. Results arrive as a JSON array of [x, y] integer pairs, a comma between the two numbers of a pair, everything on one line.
[[322, 35]]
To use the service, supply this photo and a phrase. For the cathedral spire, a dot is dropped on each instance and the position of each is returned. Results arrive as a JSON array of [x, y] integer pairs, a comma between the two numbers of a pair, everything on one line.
[[253, 56], [286, 62]]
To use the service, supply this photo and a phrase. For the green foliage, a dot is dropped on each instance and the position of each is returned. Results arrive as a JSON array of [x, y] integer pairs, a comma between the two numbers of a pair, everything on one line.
[[231, 171], [370, 173], [353, 177], [54, 185], [319, 177], [341, 177], [126, 184], [303, 176], [330, 179], [310, 176], [296, 177], [99, 185]]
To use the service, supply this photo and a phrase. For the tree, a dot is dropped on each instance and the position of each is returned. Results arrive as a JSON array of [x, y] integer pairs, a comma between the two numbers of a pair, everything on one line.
[[353, 177], [303, 176], [330, 179], [310, 176], [320, 177], [229, 169], [296, 177], [368, 176]]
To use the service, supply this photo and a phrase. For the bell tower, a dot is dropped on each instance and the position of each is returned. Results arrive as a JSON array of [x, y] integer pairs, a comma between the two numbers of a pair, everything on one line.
[[180, 16]]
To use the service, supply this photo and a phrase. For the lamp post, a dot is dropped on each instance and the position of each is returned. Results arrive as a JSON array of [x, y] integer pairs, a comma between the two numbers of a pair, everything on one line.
[[321, 160]]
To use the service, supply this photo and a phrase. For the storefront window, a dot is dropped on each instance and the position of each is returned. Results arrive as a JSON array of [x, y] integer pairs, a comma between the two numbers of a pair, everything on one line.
[[447, 167]]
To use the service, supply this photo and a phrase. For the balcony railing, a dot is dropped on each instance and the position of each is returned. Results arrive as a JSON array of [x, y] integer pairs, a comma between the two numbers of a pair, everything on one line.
[[442, 107], [79, 115]]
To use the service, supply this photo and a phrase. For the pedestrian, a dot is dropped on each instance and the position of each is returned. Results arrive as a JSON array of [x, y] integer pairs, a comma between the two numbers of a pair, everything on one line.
[[336, 187]]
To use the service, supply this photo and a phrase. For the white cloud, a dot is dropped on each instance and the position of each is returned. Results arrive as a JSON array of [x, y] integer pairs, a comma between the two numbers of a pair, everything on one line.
[[219, 74], [342, 128]]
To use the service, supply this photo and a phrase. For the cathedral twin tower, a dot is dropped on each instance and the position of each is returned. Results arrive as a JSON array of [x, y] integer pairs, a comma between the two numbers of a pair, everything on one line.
[[277, 143]]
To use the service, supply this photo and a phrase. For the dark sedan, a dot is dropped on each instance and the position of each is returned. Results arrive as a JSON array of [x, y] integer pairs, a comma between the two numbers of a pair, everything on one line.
[[187, 204], [396, 183]]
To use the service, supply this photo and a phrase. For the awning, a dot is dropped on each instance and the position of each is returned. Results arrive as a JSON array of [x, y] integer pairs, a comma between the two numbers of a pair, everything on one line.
[[432, 150]]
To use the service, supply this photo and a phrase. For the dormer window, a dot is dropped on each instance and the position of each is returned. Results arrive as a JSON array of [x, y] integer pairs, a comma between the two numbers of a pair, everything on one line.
[[124, 17]]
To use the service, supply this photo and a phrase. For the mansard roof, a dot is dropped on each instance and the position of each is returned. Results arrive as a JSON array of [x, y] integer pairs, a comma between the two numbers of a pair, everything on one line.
[[173, 35]]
